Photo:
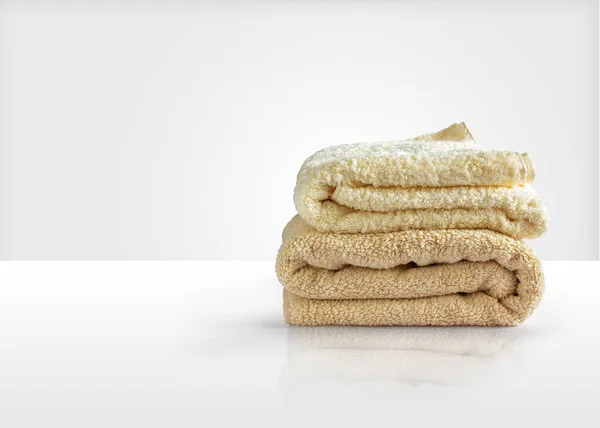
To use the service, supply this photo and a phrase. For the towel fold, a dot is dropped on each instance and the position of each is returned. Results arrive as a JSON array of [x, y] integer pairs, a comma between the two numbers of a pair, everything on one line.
[[416, 277], [436, 181]]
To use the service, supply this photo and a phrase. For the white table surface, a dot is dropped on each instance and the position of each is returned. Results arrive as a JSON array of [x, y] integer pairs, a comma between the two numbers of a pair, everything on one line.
[[201, 344]]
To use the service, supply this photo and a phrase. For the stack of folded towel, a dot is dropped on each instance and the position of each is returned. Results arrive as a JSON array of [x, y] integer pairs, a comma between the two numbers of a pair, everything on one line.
[[426, 231]]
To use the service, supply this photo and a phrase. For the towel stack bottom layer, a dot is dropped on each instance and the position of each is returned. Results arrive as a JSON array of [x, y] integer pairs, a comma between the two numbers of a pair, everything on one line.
[[369, 249]]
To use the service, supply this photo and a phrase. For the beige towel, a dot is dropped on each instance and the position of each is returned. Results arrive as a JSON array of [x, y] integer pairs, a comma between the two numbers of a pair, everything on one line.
[[418, 277], [436, 181]]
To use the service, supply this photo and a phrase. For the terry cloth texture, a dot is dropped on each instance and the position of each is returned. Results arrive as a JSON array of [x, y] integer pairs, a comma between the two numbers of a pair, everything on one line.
[[436, 181], [418, 277]]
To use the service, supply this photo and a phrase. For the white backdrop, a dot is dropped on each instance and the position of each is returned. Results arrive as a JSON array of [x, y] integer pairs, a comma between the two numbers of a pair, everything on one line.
[[154, 133]]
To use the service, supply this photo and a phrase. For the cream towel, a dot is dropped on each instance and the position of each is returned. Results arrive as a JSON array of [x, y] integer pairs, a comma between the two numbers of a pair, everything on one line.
[[419, 277], [435, 181]]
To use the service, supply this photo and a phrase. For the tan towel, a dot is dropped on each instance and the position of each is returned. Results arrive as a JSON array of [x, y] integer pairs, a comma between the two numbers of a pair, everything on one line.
[[418, 277], [436, 181]]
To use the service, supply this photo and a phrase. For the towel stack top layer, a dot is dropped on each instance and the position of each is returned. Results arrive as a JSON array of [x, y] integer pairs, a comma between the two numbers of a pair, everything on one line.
[[443, 180]]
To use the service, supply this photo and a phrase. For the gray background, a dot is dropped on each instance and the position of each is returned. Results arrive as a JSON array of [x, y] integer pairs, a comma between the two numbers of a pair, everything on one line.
[[175, 132]]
